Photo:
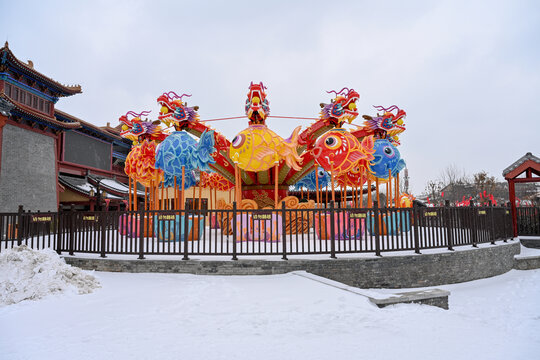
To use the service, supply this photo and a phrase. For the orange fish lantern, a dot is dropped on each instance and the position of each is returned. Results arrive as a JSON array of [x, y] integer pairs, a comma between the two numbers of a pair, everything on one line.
[[357, 176], [140, 164], [216, 181], [339, 151]]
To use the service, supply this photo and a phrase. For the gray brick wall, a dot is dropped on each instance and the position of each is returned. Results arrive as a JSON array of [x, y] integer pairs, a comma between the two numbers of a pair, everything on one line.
[[386, 272], [28, 174]]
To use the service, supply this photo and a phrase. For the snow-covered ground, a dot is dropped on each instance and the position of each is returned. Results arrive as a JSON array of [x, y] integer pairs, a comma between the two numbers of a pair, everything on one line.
[[176, 316]]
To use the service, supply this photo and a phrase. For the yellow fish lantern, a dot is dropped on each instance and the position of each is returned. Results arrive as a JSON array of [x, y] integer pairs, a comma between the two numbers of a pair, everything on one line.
[[258, 148]]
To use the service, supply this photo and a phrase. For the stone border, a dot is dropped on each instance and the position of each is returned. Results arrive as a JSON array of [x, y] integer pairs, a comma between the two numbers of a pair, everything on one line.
[[433, 297], [385, 272]]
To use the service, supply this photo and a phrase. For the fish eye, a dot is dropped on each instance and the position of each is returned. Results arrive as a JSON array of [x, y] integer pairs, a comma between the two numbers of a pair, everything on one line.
[[321, 173], [238, 141], [332, 142], [388, 151]]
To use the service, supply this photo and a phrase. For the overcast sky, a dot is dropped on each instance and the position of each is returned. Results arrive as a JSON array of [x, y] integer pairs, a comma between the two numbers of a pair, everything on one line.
[[466, 72]]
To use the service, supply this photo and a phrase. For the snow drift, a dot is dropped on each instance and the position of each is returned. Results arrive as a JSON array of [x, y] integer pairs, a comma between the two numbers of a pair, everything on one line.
[[27, 274]]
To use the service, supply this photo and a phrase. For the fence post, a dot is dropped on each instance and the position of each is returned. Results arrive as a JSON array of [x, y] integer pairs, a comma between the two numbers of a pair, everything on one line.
[[71, 229], [101, 219], [492, 230], [141, 234], [186, 230], [448, 224], [473, 221], [505, 219], [19, 226], [376, 222], [332, 231], [283, 230], [59, 224], [416, 220], [234, 257]]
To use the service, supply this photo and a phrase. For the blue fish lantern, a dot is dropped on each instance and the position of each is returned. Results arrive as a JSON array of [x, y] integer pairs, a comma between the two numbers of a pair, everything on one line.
[[180, 150], [309, 181], [387, 157]]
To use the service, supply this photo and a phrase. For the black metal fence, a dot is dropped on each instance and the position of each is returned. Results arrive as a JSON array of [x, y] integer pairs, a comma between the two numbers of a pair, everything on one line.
[[234, 232], [528, 221]]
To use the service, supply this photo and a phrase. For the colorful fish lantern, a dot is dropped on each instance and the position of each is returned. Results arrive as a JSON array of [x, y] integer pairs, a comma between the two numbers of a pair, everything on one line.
[[339, 151], [218, 182], [387, 158], [342, 108], [138, 130], [406, 200], [258, 148], [140, 164], [310, 182], [189, 180], [355, 177], [176, 112], [180, 150]]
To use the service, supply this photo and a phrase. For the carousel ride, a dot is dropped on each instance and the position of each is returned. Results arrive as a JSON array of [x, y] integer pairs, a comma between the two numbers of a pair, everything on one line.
[[261, 166]]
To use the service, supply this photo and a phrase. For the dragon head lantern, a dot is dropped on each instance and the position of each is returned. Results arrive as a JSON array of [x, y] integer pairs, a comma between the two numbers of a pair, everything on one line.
[[388, 125], [342, 108], [176, 112], [138, 130], [257, 106]]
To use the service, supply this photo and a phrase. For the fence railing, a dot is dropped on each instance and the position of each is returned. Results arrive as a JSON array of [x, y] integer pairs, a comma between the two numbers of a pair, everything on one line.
[[240, 232], [528, 221]]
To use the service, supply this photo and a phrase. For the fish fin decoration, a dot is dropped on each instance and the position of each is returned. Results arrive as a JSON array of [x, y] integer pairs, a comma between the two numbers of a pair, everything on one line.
[[376, 159], [203, 154], [264, 153], [288, 150], [368, 144], [355, 157], [400, 166]]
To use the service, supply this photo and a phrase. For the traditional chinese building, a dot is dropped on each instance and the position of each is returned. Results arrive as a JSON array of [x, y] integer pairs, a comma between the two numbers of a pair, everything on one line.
[[49, 158]]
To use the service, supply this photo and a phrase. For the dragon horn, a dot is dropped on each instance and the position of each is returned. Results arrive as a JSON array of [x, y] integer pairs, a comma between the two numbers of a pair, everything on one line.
[[132, 113], [382, 108], [336, 92]]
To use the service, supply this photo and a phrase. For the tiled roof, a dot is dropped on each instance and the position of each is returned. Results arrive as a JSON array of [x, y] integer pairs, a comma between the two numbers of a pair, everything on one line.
[[521, 160], [28, 69]]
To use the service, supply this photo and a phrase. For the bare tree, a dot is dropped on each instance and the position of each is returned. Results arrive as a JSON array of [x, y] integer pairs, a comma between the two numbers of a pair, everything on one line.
[[453, 175]]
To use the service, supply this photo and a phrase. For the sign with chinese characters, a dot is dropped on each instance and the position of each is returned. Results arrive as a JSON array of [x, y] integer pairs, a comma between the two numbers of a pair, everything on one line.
[[262, 215], [41, 218], [358, 214], [167, 217], [431, 214]]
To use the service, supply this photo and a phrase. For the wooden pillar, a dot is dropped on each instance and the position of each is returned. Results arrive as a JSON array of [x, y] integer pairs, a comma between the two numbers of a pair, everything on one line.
[[276, 186], [317, 186], [369, 194], [183, 185], [398, 204]]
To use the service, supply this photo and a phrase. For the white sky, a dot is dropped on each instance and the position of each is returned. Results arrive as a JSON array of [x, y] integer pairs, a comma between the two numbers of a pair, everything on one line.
[[466, 72]]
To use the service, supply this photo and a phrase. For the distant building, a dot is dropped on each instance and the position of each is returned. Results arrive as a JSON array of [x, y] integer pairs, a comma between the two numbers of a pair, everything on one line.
[[48, 158]]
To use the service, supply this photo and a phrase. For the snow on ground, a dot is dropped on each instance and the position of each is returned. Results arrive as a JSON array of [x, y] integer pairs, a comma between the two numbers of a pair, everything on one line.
[[175, 316], [27, 274]]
